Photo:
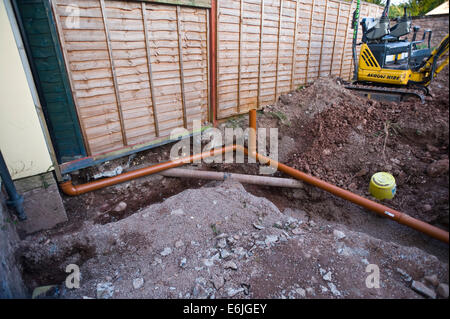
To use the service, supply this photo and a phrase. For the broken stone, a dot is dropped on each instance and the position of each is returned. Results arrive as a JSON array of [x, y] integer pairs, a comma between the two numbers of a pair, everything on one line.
[[404, 274], [240, 251], [179, 244], [432, 148], [246, 288], [157, 261], [442, 290], [422, 289], [221, 235], [297, 231], [105, 290], [118, 170], [427, 207], [199, 292], [271, 239], [338, 234], [310, 291], [255, 236], [278, 225], [438, 168], [177, 212], [230, 265], [222, 243], [259, 227], [218, 282], [224, 254], [167, 251], [183, 263], [120, 207], [362, 172], [233, 292], [231, 240], [299, 194], [333, 289], [432, 280], [301, 292], [208, 262], [323, 289], [327, 276], [138, 283]]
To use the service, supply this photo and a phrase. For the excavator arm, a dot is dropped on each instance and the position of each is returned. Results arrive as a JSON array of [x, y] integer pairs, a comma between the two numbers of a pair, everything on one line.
[[433, 65]]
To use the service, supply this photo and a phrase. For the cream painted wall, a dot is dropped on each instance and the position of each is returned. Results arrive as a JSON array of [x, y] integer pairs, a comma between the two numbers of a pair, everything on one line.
[[21, 138]]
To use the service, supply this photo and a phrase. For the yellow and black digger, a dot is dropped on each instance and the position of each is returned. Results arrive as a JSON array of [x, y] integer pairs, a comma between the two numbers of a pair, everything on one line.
[[391, 67]]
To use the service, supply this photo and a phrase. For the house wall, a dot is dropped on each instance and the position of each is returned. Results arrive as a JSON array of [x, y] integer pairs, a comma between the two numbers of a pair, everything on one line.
[[22, 141]]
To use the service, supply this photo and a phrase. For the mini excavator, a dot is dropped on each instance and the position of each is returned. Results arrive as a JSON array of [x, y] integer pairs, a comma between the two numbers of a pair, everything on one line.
[[391, 67]]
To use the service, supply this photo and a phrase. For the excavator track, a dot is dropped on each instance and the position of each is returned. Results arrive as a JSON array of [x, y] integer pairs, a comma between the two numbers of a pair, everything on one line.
[[386, 93]]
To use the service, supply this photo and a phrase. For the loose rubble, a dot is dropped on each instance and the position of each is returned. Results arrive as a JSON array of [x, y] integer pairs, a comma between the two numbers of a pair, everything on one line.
[[236, 261]]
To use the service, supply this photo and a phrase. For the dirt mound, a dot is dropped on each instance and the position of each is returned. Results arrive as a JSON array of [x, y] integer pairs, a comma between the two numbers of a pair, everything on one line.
[[222, 242], [349, 138], [321, 95]]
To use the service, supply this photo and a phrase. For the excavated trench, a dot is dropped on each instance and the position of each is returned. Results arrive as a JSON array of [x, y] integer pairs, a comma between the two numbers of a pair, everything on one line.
[[325, 131]]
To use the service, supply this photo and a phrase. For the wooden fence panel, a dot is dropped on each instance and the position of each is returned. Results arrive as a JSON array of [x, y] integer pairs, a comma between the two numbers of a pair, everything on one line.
[[268, 47], [138, 69]]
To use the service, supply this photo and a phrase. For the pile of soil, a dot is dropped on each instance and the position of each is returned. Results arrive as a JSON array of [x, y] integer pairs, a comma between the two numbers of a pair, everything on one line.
[[220, 241], [348, 138]]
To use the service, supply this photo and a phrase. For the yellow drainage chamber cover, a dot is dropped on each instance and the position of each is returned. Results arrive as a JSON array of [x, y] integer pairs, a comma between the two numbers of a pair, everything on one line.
[[382, 186]]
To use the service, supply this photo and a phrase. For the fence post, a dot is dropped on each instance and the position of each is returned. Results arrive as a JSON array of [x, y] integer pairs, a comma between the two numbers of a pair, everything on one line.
[[335, 33], [294, 45], [241, 9], [309, 41], [149, 64], [113, 72], [213, 12], [323, 36], [261, 33], [278, 48]]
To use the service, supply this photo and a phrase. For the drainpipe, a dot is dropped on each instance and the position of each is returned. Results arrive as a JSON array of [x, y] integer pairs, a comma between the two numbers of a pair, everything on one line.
[[380, 209], [15, 200], [440, 234], [213, 59], [69, 189], [241, 178]]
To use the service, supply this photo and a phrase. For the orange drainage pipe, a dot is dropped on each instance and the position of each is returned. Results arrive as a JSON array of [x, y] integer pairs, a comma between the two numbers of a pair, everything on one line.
[[213, 60], [252, 132], [397, 216], [69, 189]]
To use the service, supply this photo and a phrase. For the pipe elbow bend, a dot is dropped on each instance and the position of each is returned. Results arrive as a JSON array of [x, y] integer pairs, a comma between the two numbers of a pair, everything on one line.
[[68, 188]]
